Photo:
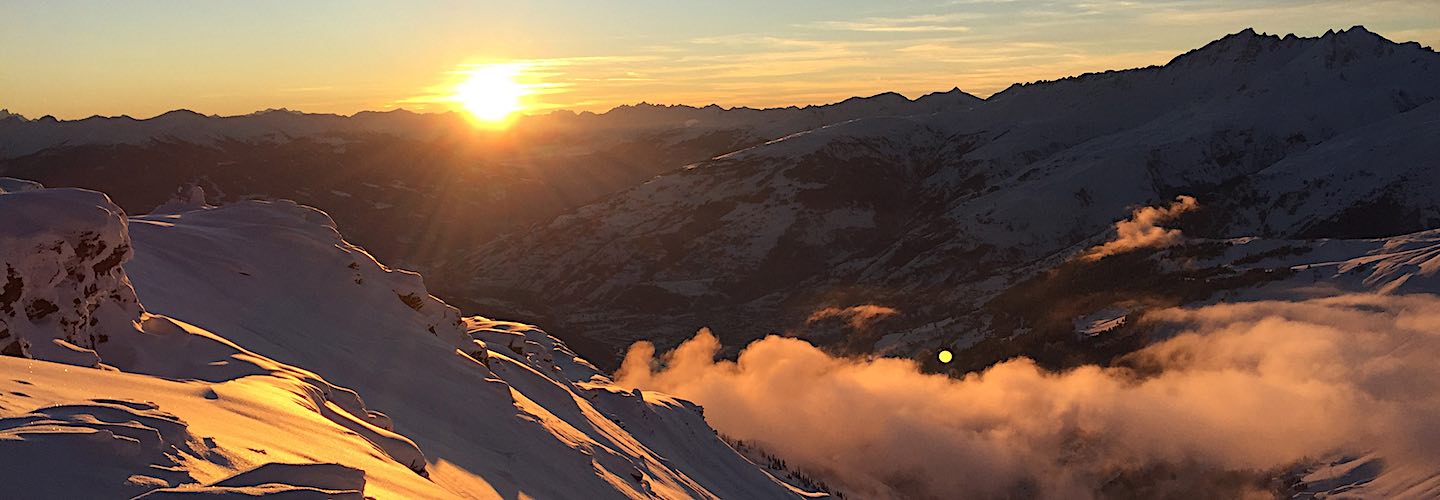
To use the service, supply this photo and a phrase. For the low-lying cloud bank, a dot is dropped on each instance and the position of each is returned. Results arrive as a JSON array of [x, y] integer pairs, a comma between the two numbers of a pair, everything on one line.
[[1243, 387], [1143, 230]]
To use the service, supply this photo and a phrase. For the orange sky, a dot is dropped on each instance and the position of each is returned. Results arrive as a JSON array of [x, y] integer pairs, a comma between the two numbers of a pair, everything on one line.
[[74, 59]]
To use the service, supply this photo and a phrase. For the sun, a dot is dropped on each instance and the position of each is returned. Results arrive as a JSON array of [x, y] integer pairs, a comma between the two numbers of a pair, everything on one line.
[[492, 94]]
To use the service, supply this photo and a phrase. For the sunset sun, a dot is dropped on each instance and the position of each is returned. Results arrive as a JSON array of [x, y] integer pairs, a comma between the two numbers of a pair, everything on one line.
[[491, 94]]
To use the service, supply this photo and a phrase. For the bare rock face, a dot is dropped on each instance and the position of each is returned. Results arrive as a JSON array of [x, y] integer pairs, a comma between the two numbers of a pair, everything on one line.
[[62, 290]]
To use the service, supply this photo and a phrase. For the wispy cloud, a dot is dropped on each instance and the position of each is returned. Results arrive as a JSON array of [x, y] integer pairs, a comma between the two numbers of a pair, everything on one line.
[[858, 317], [923, 23], [323, 88], [1257, 14]]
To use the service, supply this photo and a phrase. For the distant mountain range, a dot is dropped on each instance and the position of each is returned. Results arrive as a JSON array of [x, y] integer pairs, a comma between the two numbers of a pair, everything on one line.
[[417, 189], [24, 136], [938, 214], [649, 221]]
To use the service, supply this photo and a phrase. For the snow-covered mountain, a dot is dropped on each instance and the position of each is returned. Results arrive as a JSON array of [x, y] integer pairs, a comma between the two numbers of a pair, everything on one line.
[[250, 350], [934, 215], [24, 137], [412, 188], [585, 131]]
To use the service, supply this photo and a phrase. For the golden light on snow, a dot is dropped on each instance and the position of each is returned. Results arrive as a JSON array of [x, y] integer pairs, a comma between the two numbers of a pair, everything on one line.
[[492, 94]]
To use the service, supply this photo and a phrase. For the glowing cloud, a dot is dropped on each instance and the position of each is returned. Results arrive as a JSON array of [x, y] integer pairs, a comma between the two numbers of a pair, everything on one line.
[[1243, 389], [859, 317], [1142, 229]]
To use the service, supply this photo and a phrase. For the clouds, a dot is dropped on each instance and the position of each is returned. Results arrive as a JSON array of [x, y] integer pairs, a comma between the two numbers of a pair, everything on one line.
[[921, 23], [1243, 387], [859, 317], [1143, 230]]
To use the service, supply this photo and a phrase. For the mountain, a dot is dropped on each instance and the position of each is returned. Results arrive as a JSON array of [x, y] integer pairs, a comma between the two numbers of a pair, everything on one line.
[[417, 189], [249, 350], [1214, 275], [937, 215], [26, 137]]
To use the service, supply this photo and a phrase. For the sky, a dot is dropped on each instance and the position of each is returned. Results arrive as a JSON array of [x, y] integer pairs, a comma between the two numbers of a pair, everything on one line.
[[74, 59]]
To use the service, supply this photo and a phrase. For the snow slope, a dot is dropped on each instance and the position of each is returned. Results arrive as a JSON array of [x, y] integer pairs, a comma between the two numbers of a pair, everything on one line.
[[528, 419], [1402, 264], [195, 416], [84, 433]]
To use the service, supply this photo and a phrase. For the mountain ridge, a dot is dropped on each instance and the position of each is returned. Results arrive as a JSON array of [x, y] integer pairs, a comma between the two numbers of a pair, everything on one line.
[[927, 213], [181, 113]]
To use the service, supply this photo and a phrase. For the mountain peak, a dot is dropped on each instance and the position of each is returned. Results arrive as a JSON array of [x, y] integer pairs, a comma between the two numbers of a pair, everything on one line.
[[178, 114], [1247, 45], [5, 114], [1242, 37], [886, 95], [278, 111], [1355, 33], [953, 94]]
